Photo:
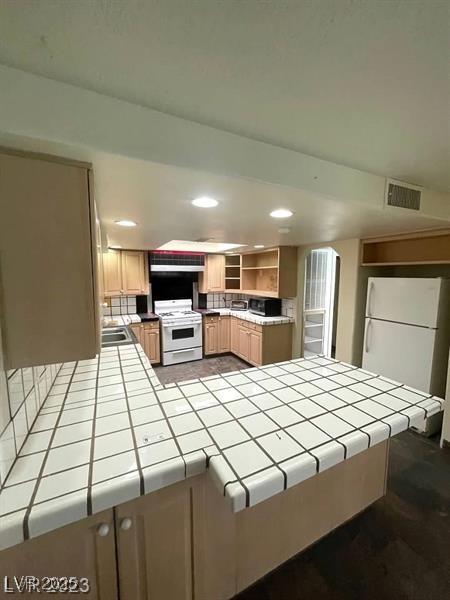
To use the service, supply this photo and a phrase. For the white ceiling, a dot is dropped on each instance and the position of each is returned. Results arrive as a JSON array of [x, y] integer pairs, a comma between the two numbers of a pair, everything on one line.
[[158, 197], [365, 84]]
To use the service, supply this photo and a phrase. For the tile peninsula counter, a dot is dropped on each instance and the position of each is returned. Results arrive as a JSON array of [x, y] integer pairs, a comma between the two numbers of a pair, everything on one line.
[[230, 475]]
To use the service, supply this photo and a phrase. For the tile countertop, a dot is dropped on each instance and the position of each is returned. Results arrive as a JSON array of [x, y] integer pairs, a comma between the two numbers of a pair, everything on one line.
[[118, 320], [109, 432], [246, 315]]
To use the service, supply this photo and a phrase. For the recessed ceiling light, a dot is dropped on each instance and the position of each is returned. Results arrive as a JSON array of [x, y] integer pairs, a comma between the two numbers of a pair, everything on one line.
[[258, 246], [284, 230], [281, 213], [205, 202], [126, 223]]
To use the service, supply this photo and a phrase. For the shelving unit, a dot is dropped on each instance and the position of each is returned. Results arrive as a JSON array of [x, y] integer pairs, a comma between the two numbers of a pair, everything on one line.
[[420, 248], [232, 272], [313, 340], [271, 272]]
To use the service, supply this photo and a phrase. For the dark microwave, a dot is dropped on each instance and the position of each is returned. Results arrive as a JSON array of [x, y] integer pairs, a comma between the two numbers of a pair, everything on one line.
[[266, 307]]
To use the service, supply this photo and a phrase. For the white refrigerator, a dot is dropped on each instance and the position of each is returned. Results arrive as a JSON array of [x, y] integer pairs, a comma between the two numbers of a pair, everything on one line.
[[407, 333]]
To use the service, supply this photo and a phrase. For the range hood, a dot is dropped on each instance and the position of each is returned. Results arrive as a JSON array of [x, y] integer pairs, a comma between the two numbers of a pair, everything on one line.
[[171, 261]]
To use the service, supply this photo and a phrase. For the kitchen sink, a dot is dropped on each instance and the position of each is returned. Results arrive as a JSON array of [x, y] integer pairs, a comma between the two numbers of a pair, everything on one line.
[[114, 336]]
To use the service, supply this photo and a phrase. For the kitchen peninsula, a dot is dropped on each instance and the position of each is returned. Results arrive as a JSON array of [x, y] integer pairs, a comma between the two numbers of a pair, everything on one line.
[[178, 490]]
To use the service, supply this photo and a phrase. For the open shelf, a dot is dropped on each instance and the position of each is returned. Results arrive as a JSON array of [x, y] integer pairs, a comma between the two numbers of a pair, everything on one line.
[[312, 324], [313, 332], [263, 280], [420, 248], [259, 268], [232, 272], [263, 259]]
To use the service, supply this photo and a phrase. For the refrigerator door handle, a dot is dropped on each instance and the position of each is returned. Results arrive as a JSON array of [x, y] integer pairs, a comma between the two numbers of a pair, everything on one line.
[[366, 337], [369, 299]]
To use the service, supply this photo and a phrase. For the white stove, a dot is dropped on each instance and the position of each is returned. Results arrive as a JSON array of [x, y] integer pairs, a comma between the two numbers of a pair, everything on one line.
[[181, 331]]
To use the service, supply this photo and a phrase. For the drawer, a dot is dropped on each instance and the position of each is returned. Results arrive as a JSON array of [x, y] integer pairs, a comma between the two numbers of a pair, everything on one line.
[[151, 325], [212, 319], [251, 326]]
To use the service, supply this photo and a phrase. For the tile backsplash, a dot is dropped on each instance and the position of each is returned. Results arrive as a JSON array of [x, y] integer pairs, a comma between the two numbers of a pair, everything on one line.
[[125, 305], [223, 300], [23, 395]]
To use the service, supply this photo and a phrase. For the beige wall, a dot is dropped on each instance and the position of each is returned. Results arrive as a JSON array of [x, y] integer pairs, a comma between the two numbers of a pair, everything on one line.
[[446, 420], [4, 406], [352, 293]]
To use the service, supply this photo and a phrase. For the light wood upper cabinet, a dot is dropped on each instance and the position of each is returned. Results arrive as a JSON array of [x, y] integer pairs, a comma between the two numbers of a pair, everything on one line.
[[112, 273], [48, 261], [271, 273], [134, 278], [125, 272], [212, 279]]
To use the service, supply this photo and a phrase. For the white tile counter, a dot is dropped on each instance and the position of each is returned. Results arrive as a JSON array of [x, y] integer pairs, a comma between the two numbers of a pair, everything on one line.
[[246, 315], [109, 432], [120, 320]]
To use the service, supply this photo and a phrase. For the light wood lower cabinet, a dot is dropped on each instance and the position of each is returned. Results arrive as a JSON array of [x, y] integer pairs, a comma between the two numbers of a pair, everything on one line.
[[211, 335], [216, 334], [255, 347], [154, 541], [224, 334], [85, 549], [149, 337], [183, 542], [254, 343], [234, 334]]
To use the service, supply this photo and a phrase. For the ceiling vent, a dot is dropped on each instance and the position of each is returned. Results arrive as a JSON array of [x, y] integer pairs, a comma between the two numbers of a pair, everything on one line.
[[402, 195]]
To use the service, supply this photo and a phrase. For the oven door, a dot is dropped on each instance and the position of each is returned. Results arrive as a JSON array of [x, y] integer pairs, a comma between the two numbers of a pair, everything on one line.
[[179, 337]]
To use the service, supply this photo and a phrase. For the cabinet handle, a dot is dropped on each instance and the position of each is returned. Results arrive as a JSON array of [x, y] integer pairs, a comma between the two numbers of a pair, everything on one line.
[[103, 529], [125, 524]]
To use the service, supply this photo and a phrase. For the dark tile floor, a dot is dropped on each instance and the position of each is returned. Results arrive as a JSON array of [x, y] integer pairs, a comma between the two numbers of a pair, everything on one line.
[[398, 549], [200, 368]]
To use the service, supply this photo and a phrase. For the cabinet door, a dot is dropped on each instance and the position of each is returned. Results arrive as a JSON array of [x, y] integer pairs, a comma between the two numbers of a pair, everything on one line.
[[255, 347], [234, 330], [112, 273], [151, 344], [47, 262], [216, 272], [224, 334], [154, 545], [85, 549], [244, 342], [211, 338], [133, 273], [138, 331]]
